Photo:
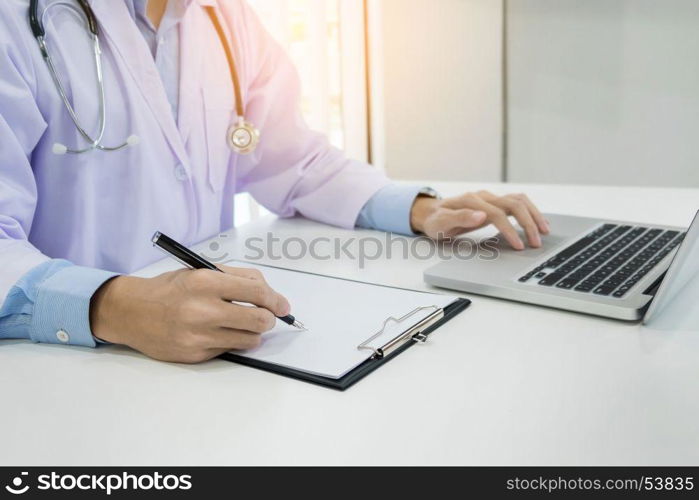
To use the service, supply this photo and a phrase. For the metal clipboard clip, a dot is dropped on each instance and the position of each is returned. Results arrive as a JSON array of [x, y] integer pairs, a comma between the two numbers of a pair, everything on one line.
[[413, 334]]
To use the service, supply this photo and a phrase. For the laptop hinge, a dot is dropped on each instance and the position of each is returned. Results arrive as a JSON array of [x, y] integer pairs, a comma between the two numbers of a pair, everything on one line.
[[653, 288]]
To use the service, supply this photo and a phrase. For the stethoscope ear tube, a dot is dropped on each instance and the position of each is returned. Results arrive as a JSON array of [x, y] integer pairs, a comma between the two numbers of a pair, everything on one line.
[[96, 142], [34, 21], [91, 19], [38, 27]]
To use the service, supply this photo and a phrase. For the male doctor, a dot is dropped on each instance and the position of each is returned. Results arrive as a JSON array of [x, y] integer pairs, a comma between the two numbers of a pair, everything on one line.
[[72, 225]]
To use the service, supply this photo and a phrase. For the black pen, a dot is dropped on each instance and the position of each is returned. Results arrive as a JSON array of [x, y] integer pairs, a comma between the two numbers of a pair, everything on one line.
[[193, 261]]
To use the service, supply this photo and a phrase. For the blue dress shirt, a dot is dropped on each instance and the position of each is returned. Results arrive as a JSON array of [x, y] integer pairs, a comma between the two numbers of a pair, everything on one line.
[[51, 302]]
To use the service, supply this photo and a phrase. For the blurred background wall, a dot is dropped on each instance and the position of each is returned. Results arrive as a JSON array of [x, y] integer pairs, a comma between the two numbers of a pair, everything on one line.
[[603, 91], [597, 91], [442, 88], [553, 91]]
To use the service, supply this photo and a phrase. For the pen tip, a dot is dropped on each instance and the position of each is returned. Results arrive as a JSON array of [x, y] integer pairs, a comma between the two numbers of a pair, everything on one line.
[[299, 325]]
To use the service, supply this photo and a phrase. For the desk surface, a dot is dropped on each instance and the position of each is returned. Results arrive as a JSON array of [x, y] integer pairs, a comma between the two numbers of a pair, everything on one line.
[[504, 383]]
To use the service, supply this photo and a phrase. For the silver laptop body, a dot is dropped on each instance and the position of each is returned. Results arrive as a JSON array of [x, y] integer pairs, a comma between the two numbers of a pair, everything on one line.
[[574, 242]]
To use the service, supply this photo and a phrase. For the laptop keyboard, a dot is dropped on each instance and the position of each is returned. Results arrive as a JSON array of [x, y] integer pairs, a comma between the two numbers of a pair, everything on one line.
[[609, 261]]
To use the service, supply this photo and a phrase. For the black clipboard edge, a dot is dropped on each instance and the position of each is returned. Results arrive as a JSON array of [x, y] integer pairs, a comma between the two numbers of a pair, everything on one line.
[[354, 376]]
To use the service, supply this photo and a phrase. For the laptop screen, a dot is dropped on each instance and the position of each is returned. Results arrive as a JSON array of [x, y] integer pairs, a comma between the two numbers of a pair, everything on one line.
[[683, 270]]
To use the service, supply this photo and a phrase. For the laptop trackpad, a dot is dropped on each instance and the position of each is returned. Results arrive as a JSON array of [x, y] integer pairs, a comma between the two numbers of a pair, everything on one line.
[[549, 243]]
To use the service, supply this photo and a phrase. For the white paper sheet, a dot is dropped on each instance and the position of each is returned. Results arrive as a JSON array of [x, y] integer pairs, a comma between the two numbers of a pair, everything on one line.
[[339, 315]]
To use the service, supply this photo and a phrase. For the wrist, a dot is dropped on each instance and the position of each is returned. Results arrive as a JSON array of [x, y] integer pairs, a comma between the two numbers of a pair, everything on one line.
[[423, 207], [110, 311]]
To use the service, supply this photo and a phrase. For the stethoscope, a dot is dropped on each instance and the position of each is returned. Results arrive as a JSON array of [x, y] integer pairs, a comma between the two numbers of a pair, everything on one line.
[[242, 136]]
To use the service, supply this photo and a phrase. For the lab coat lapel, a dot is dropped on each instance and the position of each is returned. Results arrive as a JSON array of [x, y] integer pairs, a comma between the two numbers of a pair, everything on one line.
[[191, 67], [118, 28], [192, 50]]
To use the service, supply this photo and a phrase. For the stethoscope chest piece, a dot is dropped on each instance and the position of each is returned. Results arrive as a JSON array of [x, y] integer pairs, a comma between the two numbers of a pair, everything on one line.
[[243, 137]]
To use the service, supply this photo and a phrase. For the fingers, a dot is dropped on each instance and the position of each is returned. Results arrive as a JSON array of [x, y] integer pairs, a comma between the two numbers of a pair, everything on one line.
[[255, 292], [455, 222], [494, 215], [520, 198], [499, 208], [238, 317], [540, 220], [466, 218], [214, 343], [233, 288], [229, 339], [216, 326], [228, 326], [500, 220], [521, 212], [254, 274], [498, 217], [243, 272]]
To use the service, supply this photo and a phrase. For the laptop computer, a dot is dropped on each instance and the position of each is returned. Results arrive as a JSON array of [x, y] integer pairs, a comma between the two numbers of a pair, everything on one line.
[[606, 268]]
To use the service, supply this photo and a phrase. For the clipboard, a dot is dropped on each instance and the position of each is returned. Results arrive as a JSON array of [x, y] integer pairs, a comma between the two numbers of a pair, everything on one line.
[[418, 333], [388, 340]]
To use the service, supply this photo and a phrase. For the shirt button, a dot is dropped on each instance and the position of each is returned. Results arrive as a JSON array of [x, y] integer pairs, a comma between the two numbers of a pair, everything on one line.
[[181, 173], [63, 336]]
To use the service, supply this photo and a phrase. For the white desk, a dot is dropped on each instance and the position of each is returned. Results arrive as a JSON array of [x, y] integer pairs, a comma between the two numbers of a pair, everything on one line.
[[503, 383]]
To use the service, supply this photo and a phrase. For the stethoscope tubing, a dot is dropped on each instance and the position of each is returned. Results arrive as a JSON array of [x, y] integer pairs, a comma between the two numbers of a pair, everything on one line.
[[38, 24]]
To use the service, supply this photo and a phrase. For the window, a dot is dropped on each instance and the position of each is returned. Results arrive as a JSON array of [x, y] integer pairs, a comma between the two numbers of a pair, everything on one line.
[[325, 40]]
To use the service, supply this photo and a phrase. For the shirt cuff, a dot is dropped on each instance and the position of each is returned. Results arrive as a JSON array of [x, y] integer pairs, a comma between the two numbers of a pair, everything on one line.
[[389, 209], [62, 307]]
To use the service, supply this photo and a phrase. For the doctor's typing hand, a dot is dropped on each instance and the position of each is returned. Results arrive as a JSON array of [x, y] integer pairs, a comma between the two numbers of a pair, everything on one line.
[[186, 316], [450, 217]]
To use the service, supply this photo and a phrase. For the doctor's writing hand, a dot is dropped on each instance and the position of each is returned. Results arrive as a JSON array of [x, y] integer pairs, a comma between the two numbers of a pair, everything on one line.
[[450, 217], [186, 316]]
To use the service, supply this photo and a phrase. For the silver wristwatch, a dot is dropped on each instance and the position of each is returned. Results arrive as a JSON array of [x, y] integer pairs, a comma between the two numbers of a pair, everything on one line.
[[428, 191]]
